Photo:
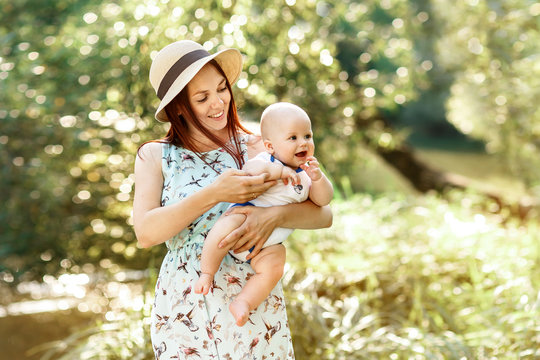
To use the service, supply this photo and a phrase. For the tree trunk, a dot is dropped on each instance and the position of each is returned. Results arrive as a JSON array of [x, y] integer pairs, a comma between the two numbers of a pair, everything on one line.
[[421, 176]]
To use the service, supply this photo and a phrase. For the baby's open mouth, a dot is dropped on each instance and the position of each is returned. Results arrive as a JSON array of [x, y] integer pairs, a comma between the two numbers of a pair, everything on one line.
[[301, 154]]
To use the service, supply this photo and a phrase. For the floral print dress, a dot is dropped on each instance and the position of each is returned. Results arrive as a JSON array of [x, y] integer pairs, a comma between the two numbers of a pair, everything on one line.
[[186, 325]]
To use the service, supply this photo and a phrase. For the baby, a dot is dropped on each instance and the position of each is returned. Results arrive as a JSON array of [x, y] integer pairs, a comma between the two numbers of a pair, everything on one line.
[[288, 140]]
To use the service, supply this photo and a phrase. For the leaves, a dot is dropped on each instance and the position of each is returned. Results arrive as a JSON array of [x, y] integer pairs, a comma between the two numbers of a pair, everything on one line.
[[395, 277], [409, 277]]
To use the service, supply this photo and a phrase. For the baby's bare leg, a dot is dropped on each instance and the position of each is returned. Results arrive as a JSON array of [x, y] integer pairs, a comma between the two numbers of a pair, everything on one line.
[[268, 266], [212, 255]]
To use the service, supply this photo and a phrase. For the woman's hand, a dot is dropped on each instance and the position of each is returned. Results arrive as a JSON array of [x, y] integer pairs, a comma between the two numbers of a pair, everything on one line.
[[236, 186], [259, 224]]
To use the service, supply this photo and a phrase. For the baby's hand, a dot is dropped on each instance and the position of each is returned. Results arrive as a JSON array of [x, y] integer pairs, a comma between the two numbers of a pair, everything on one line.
[[288, 174], [311, 167]]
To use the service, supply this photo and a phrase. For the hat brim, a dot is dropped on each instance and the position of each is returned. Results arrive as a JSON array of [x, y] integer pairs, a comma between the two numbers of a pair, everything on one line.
[[230, 61]]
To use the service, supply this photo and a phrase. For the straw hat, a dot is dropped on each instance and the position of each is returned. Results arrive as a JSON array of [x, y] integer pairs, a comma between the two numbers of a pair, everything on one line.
[[177, 63]]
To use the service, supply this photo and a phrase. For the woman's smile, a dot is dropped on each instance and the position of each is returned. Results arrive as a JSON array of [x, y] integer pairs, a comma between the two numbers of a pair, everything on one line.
[[216, 116]]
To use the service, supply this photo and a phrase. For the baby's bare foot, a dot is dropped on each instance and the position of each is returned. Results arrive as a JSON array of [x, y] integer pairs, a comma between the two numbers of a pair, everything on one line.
[[240, 311], [202, 286]]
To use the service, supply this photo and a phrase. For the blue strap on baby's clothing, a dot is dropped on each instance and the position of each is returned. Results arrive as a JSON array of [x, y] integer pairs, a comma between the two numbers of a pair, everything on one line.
[[243, 204], [272, 158]]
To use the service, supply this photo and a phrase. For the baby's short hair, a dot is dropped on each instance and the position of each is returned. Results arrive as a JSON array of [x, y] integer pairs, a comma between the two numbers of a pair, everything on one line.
[[276, 110]]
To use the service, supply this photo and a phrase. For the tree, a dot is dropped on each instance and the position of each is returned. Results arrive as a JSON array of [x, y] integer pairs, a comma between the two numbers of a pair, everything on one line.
[[493, 97], [76, 102]]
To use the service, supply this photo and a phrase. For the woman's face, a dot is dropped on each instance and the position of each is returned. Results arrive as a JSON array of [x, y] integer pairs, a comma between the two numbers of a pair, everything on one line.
[[209, 98]]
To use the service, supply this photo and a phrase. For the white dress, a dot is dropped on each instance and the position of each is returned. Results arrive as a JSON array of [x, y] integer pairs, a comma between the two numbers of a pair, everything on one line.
[[186, 325]]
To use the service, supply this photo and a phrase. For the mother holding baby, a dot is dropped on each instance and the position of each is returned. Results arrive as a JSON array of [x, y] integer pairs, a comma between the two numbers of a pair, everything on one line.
[[183, 183]]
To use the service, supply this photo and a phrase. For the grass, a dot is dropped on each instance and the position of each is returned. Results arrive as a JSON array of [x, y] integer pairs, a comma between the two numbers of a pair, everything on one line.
[[416, 278], [485, 172], [395, 277]]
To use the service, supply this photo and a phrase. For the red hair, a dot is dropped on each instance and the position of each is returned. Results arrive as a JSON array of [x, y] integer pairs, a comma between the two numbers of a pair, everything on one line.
[[179, 134]]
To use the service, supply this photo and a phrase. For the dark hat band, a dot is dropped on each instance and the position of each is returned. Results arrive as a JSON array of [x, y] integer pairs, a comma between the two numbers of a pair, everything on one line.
[[177, 69]]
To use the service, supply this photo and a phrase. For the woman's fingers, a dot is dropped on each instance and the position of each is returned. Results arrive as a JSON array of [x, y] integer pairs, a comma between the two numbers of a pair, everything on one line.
[[237, 186], [255, 179], [237, 210], [233, 237], [234, 172], [254, 231], [255, 251], [238, 236], [256, 185], [247, 235], [260, 188]]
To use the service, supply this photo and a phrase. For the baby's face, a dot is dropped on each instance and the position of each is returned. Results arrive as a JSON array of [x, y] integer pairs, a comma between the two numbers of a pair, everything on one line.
[[291, 139]]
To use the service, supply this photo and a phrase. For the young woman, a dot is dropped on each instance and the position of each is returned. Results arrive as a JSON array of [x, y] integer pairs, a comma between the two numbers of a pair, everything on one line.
[[183, 183]]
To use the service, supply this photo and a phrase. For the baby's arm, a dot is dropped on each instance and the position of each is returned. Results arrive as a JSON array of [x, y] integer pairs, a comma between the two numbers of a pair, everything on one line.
[[321, 191], [274, 170]]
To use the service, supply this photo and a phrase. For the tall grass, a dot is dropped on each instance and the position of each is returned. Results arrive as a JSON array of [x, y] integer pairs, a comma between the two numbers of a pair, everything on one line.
[[416, 278], [394, 278]]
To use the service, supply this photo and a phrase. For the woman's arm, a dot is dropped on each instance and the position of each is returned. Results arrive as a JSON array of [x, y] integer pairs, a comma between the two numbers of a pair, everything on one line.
[[155, 224], [260, 223]]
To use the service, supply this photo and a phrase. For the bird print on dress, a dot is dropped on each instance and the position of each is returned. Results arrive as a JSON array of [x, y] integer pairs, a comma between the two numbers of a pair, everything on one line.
[[186, 319], [213, 325], [185, 293], [182, 266], [160, 349], [187, 352], [215, 286], [167, 186], [195, 182], [274, 303], [169, 160], [162, 321], [164, 200], [271, 330], [232, 280], [188, 158]]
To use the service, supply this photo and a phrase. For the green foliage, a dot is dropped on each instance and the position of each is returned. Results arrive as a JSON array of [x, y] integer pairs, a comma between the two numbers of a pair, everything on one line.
[[394, 278], [68, 148], [124, 338], [76, 102], [422, 278], [427, 278], [493, 97]]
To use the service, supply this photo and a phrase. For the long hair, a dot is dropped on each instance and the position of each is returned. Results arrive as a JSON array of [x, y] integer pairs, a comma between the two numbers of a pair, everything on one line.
[[179, 133]]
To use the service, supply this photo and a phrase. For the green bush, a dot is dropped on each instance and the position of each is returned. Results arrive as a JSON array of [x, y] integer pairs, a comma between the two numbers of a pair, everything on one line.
[[415, 278], [394, 278]]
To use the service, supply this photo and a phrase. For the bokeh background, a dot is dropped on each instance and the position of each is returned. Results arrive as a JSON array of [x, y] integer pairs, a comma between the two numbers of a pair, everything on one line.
[[426, 119]]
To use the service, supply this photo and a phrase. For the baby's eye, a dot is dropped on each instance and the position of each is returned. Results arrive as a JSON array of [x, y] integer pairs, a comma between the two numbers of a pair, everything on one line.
[[308, 136], [293, 137]]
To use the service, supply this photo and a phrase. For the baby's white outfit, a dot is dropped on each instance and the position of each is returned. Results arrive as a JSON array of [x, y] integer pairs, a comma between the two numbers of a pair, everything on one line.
[[279, 194]]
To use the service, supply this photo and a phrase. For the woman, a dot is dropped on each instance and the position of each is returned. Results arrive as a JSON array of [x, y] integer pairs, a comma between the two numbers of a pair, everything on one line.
[[182, 185]]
